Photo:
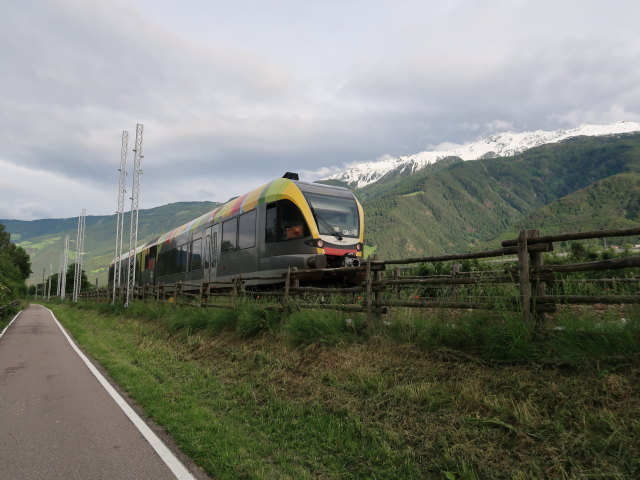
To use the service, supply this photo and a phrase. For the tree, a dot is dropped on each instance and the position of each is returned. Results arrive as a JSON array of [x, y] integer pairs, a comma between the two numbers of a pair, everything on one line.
[[578, 250], [15, 266], [21, 259], [71, 271], [5, 237]]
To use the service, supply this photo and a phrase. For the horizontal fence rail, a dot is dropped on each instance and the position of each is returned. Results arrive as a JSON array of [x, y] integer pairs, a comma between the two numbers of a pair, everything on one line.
[[525, 284]]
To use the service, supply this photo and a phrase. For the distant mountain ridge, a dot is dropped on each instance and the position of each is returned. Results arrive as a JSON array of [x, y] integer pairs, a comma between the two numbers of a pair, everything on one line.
[[43, 239], [500, 145]]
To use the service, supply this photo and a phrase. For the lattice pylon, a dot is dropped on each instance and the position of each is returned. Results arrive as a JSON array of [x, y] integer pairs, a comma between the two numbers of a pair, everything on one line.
[[122, 189], [135, 196]]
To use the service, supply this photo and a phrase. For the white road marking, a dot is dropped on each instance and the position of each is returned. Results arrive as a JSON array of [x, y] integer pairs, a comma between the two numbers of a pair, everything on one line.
[[5, 328], [175, 465]]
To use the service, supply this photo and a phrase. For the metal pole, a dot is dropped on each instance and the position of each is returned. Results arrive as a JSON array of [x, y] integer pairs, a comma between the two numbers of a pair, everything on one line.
[[117, 268], [77, 280], [63, 285], [135, 195], [59, 282], [49, 286], [76, 274]]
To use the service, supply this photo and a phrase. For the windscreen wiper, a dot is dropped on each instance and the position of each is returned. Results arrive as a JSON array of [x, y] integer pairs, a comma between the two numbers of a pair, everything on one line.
[[326, 224]]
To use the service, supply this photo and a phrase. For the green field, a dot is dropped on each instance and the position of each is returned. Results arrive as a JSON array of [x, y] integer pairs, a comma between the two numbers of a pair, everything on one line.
[[248, 394]]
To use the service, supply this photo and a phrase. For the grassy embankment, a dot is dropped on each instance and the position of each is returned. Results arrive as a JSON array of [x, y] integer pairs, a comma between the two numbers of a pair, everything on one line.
[[250, 395]]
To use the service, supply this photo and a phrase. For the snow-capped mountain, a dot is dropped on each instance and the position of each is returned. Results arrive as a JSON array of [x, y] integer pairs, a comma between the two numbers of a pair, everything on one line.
[[500, 145]]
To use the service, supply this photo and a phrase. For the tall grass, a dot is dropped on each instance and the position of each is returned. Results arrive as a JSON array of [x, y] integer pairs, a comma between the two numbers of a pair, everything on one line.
[[247, 320], [322, 326], [500, 336], [577, 336], [574, 338]]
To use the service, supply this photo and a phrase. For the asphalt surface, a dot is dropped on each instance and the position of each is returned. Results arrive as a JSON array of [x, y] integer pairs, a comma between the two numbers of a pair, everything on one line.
[[56, 420]]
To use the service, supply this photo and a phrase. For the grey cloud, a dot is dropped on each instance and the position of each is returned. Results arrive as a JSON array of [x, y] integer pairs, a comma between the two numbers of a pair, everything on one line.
[[243, 108]]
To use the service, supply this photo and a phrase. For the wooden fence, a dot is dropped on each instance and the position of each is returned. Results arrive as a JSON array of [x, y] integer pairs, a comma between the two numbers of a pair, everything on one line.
[[525, 283]]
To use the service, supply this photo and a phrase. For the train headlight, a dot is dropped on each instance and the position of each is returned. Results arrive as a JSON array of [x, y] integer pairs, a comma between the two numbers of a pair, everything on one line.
[[359, 247], [316, 242]]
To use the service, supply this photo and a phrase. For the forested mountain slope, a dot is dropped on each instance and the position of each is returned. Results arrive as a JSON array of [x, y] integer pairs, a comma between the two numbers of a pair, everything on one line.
[[466, 204], [613, 202]]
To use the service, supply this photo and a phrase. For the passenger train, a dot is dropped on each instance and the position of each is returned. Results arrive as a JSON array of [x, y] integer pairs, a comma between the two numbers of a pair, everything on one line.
[[285, 223]]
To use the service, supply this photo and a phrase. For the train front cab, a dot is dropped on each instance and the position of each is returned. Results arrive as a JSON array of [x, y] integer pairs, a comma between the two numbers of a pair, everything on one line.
[[313, 227]]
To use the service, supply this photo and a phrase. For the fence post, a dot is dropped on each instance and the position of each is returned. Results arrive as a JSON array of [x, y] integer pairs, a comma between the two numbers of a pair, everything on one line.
[[378, 278], [234, 291], [208, 293], [287, 283], [369, 291], [523, 276], [396, 276], [538, 290], [455, 273], [296, 281], [242, 290]]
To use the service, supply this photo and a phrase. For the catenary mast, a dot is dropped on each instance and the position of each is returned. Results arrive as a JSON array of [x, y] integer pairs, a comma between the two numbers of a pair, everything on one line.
[[77, 278], [135, 195], [65, 259], [117, 274]]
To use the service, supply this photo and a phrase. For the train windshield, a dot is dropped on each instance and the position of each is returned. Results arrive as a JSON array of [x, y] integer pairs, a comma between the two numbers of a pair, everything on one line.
[[334, 215]]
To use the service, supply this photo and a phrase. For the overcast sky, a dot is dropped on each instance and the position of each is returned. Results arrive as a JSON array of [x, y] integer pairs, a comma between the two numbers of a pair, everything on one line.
[[234, 93]]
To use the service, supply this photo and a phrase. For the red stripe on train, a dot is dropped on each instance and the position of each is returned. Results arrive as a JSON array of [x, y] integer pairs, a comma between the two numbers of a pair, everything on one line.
[[338, 251]]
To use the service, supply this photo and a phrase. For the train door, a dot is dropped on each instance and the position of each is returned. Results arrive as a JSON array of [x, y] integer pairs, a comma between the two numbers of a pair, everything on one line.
[[211, 254], [147, 267], [196, 272], [238, 251]]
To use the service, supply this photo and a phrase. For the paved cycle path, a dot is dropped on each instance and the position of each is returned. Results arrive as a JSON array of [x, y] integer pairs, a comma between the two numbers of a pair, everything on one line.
[[57, 421]]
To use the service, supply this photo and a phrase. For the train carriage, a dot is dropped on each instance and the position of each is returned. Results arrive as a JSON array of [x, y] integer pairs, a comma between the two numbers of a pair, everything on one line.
[[285, 223]]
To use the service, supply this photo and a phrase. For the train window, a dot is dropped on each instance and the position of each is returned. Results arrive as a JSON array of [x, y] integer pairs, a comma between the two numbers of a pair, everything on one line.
[[149, 259], [214, 249], [183, 258], [196, 254], [247, 230], [229, 235], [272, 223], [207, 250], [167, 264], [284, 222], [335, 215]]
